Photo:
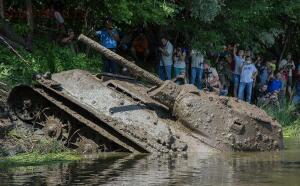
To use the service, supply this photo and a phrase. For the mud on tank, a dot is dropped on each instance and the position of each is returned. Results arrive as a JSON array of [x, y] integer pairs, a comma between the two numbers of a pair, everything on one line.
[[108, 112]]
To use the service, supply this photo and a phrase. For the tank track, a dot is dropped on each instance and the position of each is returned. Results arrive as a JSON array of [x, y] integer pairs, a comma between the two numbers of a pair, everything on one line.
[[64, 120]]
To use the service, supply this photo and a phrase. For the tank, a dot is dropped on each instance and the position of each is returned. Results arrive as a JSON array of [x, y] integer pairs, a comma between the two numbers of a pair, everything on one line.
[[107, 112]]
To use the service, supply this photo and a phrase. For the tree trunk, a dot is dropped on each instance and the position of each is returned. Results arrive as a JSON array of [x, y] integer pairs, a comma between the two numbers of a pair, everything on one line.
[[287, 40], [29, 23], [10, 42], [1, 9], [7, 31]]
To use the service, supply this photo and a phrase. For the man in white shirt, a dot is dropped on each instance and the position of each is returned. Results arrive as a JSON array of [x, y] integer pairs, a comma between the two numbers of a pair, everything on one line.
[[248, 75]]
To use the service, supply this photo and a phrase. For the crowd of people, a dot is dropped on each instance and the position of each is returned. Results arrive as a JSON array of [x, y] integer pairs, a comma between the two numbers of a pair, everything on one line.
[[230, 72], [233, 71]]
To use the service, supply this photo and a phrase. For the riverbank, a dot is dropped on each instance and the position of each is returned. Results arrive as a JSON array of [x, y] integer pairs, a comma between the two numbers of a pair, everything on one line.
[[21, 145], [261, 168], [46, 151]]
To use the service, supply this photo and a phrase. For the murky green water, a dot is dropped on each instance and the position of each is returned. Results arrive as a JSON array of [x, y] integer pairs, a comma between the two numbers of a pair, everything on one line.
[[271, 168]]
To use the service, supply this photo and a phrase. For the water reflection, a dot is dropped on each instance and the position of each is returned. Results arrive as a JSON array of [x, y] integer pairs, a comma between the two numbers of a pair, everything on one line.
[[272, 168]]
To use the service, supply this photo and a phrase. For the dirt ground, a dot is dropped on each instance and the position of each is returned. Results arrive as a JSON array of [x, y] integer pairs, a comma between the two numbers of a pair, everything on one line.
[[15, 136], [5, 126]]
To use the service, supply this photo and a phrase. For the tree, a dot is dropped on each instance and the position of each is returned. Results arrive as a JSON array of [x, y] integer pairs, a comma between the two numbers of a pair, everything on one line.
[[264, 26], [1, 9], [30, 24]]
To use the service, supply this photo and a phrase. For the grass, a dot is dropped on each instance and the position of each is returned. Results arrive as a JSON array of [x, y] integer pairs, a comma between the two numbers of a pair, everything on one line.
[[35, 158], [292, 130], [288, 117], [31, 143], [36, 149]]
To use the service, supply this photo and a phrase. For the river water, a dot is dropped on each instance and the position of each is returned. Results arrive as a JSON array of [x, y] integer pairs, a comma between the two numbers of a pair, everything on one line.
[[258, 169]]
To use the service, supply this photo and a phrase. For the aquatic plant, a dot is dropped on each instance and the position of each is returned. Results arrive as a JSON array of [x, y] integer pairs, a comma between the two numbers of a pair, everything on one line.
[[35, 158]]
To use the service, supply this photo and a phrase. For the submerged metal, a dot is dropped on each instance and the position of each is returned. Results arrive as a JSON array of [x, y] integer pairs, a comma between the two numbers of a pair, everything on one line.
[[113, 113], [116, 113]]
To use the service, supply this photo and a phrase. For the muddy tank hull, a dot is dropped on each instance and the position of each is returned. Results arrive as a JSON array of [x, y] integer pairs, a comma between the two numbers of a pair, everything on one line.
[[118, 110], [110, 113], [225, 123]]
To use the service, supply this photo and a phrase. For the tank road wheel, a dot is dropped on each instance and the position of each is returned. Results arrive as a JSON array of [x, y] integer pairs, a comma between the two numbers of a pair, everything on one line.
[[53, 128], [27, 110], [55, 123], [24, 103], [79, 141], [44, 114], [86, 145]]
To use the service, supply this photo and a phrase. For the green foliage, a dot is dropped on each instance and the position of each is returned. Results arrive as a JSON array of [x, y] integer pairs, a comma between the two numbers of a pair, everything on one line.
[[292, 130], [30, 159], [128, 12], [45, 57], [46, 146], [286, 116], [21, 28], [260, 25], [204, 10], [31, 143]]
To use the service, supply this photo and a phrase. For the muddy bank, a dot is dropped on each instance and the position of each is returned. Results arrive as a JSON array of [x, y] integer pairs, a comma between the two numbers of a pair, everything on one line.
[[7, 146], [18, 137]]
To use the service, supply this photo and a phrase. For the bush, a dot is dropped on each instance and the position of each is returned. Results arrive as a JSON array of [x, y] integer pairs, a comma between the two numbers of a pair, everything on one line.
[[288, 117], [45, 57], [48, 145], [292, 130]]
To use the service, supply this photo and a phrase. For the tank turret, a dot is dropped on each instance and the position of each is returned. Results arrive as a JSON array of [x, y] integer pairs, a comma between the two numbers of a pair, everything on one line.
[[222, 123]]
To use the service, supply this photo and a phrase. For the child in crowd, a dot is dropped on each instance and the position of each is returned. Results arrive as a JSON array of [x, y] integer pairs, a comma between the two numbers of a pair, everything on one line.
[[179, 61], [211, 77]]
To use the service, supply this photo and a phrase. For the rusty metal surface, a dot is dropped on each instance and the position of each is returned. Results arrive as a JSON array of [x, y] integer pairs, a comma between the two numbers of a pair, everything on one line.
[[225, 125], [89, 123], [134, 115], [125, 112], [71, 110]]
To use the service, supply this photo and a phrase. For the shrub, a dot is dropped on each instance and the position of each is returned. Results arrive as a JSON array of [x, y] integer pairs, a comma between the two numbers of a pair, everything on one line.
[[45, 57]]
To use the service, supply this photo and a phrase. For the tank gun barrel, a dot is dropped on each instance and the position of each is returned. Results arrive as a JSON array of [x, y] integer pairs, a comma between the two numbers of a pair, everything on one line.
[[222, 123], [136, 70]]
